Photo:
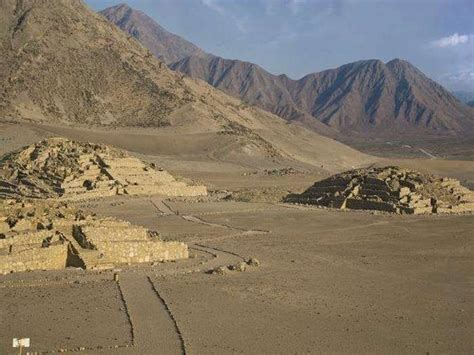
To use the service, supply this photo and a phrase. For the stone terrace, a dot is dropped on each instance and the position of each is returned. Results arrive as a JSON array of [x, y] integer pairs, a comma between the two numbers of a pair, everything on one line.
[[48, 236], [389, 189], [58, 167]]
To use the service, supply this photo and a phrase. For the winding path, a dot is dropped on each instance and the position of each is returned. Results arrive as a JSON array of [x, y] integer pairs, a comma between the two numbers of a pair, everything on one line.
[[154, 328]]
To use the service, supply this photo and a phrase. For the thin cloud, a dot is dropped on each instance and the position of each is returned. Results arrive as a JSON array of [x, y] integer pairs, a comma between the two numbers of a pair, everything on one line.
[[450, 41], [214, 5], [219, 6]]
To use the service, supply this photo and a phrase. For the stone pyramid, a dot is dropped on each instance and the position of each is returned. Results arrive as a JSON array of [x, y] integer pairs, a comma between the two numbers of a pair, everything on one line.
[[389, 189], [61, 168], [51, 235]]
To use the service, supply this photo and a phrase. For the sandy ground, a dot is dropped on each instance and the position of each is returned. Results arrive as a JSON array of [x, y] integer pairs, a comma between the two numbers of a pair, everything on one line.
[[329, 281]]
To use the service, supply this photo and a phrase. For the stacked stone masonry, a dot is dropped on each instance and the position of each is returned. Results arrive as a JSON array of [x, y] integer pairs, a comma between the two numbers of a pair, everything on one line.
[[58, 167], [389, 189], [48, 236]]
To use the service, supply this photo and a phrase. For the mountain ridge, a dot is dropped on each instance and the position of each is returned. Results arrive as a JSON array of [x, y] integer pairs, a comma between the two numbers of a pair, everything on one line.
[[65, 65], [170, 47], [364, 97], [356, 96]]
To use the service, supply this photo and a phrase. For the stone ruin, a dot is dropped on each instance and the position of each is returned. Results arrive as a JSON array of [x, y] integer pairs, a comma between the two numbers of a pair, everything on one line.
[[389, 189], [61, 168], [45, 235]]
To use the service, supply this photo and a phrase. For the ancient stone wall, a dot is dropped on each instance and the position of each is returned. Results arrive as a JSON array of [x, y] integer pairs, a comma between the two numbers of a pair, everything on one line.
[[357, 204], [142, 252], [74, 239], [389, 189], [31, 239], [51, 258], [116, 244]]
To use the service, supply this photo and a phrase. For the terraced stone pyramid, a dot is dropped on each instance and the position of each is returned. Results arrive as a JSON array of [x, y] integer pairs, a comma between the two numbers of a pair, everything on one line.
[[389, 189], [49, 235], [61, 168]]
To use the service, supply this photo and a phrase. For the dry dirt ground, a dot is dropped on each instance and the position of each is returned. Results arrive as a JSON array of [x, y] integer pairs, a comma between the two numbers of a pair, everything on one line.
[[454, 148], [329, 281]]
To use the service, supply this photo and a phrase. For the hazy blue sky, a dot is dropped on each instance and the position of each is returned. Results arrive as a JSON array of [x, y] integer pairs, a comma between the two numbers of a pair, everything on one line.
[[297, 37]]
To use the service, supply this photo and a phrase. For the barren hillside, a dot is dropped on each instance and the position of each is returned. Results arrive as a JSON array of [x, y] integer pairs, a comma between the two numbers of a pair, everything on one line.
[[362, 97], [164, 45], [64, 64], [368, 98]]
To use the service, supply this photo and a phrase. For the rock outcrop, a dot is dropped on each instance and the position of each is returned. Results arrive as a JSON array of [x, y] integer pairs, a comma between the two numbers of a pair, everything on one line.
[[51, 236], [389, 189], [61, 168]]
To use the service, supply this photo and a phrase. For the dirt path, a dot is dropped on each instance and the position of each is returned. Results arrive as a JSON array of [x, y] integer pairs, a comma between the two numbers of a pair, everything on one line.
[[162, 208], [428, 154], [154, 327]]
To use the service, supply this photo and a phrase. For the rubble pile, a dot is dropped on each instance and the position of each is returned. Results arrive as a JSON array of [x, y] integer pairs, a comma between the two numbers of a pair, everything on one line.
[[389, 189], [59, 167], [46, 235]]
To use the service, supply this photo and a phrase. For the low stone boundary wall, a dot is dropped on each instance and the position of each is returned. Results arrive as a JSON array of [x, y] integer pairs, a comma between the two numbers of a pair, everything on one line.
[[143, 252]]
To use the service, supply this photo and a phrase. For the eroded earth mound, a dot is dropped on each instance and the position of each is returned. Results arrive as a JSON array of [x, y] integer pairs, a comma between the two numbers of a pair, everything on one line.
[[44, 235], [59, 167], [389, 189]]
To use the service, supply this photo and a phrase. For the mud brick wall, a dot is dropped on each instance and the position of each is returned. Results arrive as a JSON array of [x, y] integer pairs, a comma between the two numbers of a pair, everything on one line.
[[52, 258]]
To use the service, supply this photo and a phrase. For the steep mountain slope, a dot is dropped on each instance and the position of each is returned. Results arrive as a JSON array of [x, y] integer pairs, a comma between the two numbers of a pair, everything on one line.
[[63, 64], [61, 61], [164, 45], [366, 97], [361, 97]]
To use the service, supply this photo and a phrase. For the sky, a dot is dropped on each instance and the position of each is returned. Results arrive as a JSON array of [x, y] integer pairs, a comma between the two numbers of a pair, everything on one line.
[[298, 37]]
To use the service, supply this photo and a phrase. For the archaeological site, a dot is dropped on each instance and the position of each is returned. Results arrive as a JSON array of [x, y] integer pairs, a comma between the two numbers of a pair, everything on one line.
[[389, 189], [48, 236], [157, 198], [61, 168], [42, 235]]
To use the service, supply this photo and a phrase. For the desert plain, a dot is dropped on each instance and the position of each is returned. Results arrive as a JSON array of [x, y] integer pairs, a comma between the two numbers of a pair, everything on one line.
[[322, 280], [159, 199]]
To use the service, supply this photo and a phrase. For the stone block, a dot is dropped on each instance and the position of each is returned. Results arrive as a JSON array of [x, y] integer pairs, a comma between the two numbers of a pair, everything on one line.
[[404, 191]]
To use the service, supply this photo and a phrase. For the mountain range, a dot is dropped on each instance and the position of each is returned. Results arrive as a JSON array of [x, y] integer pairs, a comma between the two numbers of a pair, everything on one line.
[[465, 96], [364, 98], [63, 64]]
